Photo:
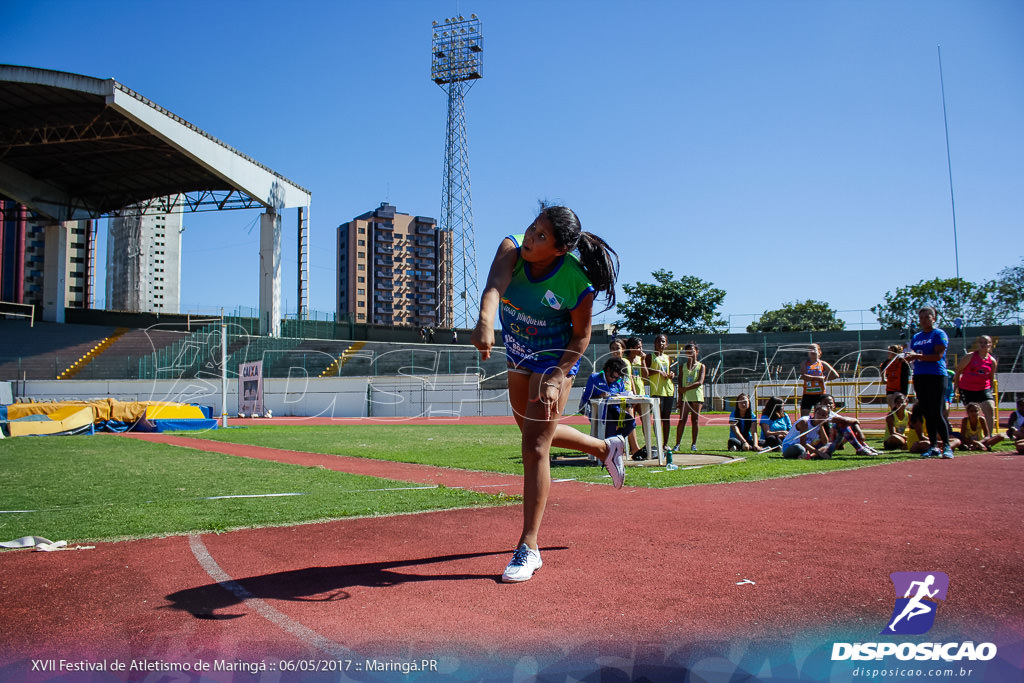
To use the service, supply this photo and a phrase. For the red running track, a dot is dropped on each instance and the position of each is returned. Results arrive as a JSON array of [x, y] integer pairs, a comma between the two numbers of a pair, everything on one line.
[[644, 581]]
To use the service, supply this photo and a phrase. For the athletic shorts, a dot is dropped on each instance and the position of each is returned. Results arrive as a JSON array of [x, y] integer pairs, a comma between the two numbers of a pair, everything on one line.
[[808, 401], [522, 360], [667, 405], [968, 396], [533, 364]]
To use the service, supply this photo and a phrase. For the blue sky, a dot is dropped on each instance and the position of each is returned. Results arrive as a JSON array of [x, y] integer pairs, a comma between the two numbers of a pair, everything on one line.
[[782, 150]]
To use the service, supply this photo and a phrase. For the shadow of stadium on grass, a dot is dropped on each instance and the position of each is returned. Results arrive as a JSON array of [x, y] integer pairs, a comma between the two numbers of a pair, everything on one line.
[[316, 584]]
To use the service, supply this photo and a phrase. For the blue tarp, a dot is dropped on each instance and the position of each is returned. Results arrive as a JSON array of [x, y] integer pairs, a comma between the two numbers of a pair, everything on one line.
[[207, 411], [183, 425]]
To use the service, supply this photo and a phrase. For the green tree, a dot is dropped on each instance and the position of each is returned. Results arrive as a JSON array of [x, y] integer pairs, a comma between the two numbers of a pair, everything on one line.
[[804, 316], [951, 298], [1008, 294], [684, 306]]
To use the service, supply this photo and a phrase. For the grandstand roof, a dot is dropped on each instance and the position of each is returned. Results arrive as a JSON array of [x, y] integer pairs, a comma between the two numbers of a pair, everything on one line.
[[75, 147]]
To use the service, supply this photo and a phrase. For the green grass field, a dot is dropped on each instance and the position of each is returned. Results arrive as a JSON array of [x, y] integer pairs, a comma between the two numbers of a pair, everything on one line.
[[84, 488], [105, 487], [496, 449]]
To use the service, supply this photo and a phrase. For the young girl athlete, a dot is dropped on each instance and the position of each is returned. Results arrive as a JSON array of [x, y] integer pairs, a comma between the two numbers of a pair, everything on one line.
[[815, 373], [545, 295], [691, 394], [659, 377], [974, 431]]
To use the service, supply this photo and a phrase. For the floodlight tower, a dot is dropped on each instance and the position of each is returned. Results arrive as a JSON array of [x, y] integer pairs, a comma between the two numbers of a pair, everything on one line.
[[457, 58]]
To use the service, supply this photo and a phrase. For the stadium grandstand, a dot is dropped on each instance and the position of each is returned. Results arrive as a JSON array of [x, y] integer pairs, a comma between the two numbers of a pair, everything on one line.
[[180, 357]]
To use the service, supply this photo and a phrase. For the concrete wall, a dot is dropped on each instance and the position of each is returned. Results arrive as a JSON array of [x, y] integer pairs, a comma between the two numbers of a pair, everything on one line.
[[393, 396], [299, 396]]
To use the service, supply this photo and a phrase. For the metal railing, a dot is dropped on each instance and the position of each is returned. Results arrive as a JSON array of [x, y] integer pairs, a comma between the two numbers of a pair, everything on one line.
[[16, 310]]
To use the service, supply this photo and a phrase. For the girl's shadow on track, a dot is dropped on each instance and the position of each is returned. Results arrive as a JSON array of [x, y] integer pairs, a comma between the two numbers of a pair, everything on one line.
[[314, 584]]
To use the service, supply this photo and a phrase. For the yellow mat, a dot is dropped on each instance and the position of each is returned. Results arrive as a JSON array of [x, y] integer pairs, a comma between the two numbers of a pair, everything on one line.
[[65, 419]]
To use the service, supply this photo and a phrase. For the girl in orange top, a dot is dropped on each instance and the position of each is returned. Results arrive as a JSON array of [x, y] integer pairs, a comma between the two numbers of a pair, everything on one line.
[[814, 372], [897, 375]]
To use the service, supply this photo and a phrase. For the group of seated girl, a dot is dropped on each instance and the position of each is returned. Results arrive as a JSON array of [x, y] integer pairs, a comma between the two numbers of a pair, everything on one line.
[[816, 435], [905, 429]]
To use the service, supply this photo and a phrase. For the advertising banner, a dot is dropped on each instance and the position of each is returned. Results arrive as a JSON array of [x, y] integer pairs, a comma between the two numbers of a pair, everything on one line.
[[250, 388]]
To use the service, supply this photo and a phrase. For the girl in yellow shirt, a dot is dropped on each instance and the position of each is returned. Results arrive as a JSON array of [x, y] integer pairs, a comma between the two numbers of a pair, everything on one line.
[[691, 394], [974, 431]]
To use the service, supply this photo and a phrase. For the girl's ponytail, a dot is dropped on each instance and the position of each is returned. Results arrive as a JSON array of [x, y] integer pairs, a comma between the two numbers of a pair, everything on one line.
[[599, 261], [601, 264]]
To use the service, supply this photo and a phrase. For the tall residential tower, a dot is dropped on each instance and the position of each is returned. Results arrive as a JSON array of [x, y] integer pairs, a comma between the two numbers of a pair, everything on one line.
[[23, 272], [388, 268], [144, 261]]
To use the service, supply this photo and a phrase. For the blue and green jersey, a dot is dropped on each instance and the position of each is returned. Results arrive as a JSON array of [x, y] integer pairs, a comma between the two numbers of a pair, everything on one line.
[[536, 315]]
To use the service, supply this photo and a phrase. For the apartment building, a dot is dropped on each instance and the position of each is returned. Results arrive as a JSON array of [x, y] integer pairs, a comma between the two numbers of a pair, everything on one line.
[[391, 270]]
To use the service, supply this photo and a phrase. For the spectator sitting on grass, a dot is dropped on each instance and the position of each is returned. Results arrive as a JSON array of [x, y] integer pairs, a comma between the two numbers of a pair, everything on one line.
[[806, 439], [916, 430], [742, 426], [1015, 423], [974, 431], [775, 423], [896, 424], [837, 422]]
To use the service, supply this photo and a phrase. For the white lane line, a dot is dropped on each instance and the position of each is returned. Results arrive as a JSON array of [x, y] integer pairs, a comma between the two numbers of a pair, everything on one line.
[[279, 619], [254, 495]]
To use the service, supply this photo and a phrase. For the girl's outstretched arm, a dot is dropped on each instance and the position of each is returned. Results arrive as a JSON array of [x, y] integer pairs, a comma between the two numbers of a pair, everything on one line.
[[497, 280]]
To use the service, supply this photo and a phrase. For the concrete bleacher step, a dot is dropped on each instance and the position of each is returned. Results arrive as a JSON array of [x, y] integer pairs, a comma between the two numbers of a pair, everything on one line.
[[91, 354], [335, 367], [121, 359], [43, 350]]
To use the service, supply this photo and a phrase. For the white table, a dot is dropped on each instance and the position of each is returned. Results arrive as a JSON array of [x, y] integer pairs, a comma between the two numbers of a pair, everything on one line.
[[650, 420]]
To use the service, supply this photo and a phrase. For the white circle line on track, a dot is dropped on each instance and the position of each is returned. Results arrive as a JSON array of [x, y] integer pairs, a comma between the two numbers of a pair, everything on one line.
[[279, 619]]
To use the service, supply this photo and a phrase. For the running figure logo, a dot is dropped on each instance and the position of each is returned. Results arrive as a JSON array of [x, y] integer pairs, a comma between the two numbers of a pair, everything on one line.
[[914, 612]]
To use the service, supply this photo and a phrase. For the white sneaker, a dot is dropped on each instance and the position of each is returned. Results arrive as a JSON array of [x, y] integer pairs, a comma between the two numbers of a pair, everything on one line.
[[613, 463], [525, 561]]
